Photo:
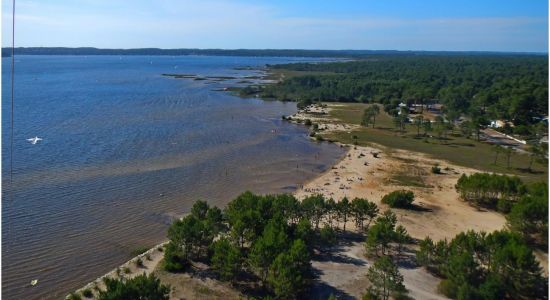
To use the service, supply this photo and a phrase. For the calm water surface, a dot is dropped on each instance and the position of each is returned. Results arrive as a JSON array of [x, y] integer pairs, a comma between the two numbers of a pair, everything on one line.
[[125, 150]]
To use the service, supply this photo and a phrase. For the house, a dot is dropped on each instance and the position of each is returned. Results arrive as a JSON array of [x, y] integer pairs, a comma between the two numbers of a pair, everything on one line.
[[435, 108], [403, 105], [500, 124]]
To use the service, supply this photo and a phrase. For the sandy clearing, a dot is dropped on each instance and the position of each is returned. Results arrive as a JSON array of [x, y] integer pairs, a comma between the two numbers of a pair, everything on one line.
[[360, 174]]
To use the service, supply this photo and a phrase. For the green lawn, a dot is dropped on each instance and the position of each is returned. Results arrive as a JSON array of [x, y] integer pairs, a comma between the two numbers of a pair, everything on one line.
[[456, 149]]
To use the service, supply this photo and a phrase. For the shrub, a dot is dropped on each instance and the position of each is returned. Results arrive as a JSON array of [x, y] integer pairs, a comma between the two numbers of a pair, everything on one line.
[[139, 263], [160, 249], [148, 256], [127, 270], [504, 205], [140, 287], [436, 169], [447, 288], [319, 138], [87, 293], [399, 199], [307, 122]]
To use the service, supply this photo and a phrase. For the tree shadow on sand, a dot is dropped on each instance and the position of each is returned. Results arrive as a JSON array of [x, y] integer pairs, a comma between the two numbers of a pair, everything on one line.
[[334, 254], [406, 259], [529, 171]]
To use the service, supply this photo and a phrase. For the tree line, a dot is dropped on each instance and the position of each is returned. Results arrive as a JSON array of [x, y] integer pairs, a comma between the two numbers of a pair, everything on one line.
[[510, 87], [525, 205], [491, 190], [473, 265]]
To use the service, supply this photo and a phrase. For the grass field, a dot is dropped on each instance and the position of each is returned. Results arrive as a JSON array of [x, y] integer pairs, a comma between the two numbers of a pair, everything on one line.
[[456, 149], [276, 74]]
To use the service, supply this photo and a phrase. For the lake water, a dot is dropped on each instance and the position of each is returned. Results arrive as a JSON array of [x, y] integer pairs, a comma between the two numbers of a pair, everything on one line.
[[124, 151]]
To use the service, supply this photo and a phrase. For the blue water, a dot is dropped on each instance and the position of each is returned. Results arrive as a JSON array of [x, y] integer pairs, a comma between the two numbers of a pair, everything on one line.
[[124, 151]]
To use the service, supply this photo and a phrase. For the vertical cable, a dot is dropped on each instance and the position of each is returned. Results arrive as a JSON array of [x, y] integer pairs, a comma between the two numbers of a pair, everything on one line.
[[11, 127]]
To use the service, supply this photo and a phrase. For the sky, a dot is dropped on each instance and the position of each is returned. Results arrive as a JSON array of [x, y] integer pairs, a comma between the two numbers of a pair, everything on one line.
[[466, 25]]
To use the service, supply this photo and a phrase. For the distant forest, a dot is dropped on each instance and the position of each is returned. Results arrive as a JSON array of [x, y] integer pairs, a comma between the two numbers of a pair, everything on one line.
[[511, 87], [228, 52]]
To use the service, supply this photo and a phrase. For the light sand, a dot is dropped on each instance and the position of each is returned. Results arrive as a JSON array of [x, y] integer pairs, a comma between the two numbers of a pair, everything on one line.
[[362, 175]]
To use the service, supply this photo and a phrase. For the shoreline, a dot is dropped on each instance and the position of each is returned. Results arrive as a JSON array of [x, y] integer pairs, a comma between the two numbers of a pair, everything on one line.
[[149, 265]]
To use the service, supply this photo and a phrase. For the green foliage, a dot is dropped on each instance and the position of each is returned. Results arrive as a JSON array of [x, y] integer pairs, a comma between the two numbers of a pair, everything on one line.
[[313, 208], [327, 235], [385, 279], [508, 87], [140, 287], [486, 266], [226, 259], [174, 260], [87, 293], [214, 220], [504, 205], [287, 206], [290, 271], [363, 211], [245, 215], [486, 189], [344, 210], [530, 215], [304, 231], [199, 209], [369, 115], [191, 236], [381, 234], [272, 242], [401, 237], [400, 199]]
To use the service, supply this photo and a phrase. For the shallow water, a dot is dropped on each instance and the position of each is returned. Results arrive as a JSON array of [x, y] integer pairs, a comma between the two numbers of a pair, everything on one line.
[[124, 151]]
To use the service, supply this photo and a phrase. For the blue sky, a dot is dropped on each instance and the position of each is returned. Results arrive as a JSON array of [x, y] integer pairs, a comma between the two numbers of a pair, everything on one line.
[[485, 25]]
